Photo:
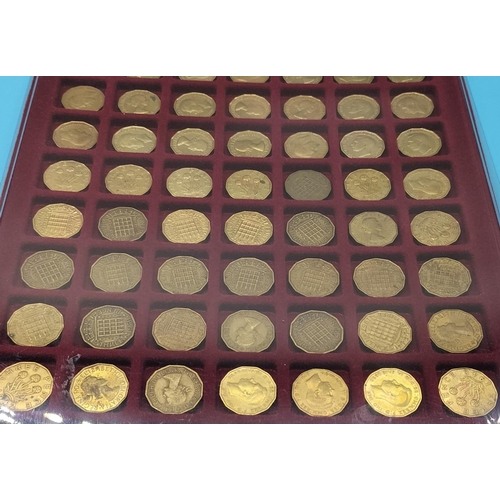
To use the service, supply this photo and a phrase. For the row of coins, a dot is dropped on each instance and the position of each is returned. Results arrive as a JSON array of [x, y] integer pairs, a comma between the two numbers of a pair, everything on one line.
[[247, 390]]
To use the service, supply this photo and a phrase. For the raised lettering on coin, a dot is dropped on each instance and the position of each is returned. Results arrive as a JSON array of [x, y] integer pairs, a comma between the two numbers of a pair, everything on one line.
[[67, 175], [189, 182], [47, 270], [58, 220], [358, 107], [192, 141], [250, 144], [83, 97], [75, 135], [304, 107], [247, 331], [123, 224], [248, 276], [308, 185], [134, 139], [426, 184], [194, 104], [379, 278], [444, 277], [310, 229], [306, 145], [183, 274], [250, 106], [248, 185], [116, 272], [139, 102]]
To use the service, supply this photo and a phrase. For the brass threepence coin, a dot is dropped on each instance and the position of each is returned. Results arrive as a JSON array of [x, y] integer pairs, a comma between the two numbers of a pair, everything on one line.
[[304, 107], [247, 331], [435, 228], [25, 386], [174, 389], [123, 224], [308, 185], [310, 229], [316, 332], [250, 106], [320, 393], [248, 228], [186, 226], [248, 390], [128, 179], [198, 78], [455, 331], [303, 79], [314, 277], [444, 277], [412, 105], [194, 104], [426, 184], [134, 139], [362, 144], [75, 135], [373, 229], [116, 272], [392, 392], [379, 278], [189, 182], [248, 276], [249, 79], [139, 102], [47, 270], [192, 141], [384, 332], [354, 79], [358, 107], [306, 145], [248, 185], [35, 325], [406, 79], [183, 274], [367, 184], [83, 97], [179, 329], [419, 142], [58, 221], [468, 392], [99, 388], [249, 144], [67, 175]]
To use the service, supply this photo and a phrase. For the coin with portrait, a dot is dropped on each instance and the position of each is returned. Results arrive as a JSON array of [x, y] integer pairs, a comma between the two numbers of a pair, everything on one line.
[[250, 106], [379, 278], [248, 276], [189, 182], [249, 144], [75, 135], [83, 97], [310, 229], [444, 277], [367, 184], [362, 144], [303, 79], [308, 185], [313, 277], [306, 145], [248, 185], [58, 220], [358, 107], [194, 104], [134, 139], [186, 226], [116, 272], [139, 102], [248, 228], [354, 79], [435, 228], [47, 270], [373, 229], [123, 224], [129, 180], [419, 143], [304, 107], [412, 105], [192, 141], [67, 175], [183, 275], [426, 184]]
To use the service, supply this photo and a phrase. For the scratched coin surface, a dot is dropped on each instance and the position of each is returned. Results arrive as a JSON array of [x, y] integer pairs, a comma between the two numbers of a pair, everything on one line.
[[189, 182], [354, 79], [248, 276], [362, 144], [249, 144], [412, 105], [248, 185], [320, 393], [455, 331], [304, 107], [58, 220], [47, 270], [83, 97], [75, 135], [174, 389], [248, 390], [194, 104], [419, 143], [303, 79], [308, 185], [186, 226], [139, 102], [384, 332], [367, 184], [123, 224], [250, 106], [306, 145], [314, 277], [379, 278], [99, 388], [392, 392], [316, 332], [192, 141], [67, 175], [25, 386], [198, 78], [35, 325], [128, 179], [406, 79], [248, 228], [179, 329], [373, 229], [435, 228], [310, 229], [250, 79], [358, 107], [468, 392], [134, 139], [116, 272], [444, 277], [426, 184], [183, 274]]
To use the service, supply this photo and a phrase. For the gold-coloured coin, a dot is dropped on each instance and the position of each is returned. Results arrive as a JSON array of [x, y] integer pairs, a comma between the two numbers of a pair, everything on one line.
[[247, 331], [116, 272], [248, 228], [107, 327], [128, 179], [248, 185], [354, 79], [174, 389], [406, 79], [373, 229], [198, 78], [75, 135], [192, 141], [366, 184], [468, 392], [249, 79], [358, 107], [444, 277], [134, 139], [35, 325], [314, 277], [249, 144], [250, 106], [303, 79], [25, 386], [306, 145], [183, 274], [362, 144], [47, 270], [58, 220], [186, 226], [83, 97], [67, 175], [435, 228], [194, 104], [308, 185], [419, 143], [426, 184], [248, 390], [316, 332], [379, 278], [392, 392], [189, 182], [384, 332], [310, 229], [123, 224], [99, 388], [139, 102], [179, 329], [320, 393], [455, 331], [412, 105], [248, 276], [304, 107]]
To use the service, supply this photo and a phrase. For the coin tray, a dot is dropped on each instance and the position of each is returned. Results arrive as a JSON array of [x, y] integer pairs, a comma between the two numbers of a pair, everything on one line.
[[469, 201]]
